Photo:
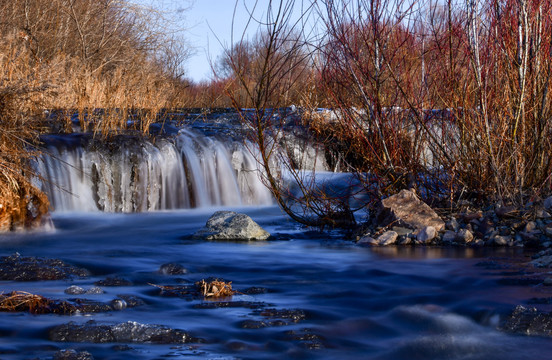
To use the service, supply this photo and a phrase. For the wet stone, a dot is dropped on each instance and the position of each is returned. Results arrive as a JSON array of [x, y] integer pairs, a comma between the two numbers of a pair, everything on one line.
[[308, 338], [253, 324], [229, 225], [118, 304], [255, 290], [91, 306], [95, 291], [113, 281], [75, 290], [172, 269], [129, 332], [131, 300], [528, 321], [294, 315], [18, 268], [70, 354], [229, 304]]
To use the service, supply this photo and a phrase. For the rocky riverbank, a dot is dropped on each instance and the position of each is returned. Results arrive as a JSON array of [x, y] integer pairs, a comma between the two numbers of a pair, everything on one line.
[[403, 219]]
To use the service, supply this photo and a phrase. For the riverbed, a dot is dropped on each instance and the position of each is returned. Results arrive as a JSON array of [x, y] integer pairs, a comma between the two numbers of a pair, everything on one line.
[[315, 295]]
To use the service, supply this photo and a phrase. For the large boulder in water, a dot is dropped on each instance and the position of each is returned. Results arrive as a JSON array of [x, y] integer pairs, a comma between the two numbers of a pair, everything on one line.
[[229, 225], [405, 209]]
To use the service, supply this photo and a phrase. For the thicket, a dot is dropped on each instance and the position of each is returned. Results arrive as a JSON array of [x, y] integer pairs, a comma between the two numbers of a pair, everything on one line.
[[77, 55], [452, 97]]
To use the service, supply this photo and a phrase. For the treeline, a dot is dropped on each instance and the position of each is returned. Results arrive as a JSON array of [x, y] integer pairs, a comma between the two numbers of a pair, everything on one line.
[[452, 95]]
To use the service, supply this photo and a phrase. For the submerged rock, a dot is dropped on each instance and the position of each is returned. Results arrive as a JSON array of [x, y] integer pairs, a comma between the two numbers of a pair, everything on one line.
[[172, 269], [71, 354], [229, 225], [75, 290], [129, 332], [19, 268], [113, 281], [528, 321], [405, 209]]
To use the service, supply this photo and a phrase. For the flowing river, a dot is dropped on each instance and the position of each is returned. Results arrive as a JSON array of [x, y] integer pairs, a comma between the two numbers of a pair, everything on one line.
[[350, 302], [126, 209]]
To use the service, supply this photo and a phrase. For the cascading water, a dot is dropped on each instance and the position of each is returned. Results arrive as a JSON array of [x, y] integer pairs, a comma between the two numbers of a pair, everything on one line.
[[129, 174]]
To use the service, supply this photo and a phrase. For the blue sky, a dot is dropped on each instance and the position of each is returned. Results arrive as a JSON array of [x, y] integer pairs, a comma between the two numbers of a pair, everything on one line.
[[208, 24], [207, 27]]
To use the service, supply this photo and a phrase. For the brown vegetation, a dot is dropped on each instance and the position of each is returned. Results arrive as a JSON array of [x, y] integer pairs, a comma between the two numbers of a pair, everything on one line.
[[76, 55], [452, 93], [21, 301]]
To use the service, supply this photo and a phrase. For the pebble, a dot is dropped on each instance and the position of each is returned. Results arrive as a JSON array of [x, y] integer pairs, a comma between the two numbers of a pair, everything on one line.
[[75, 290], [464, 236], [426, 235], [530, 226], [448, 237], [388, 238], [501, 240], [95, 290], [452, 225]]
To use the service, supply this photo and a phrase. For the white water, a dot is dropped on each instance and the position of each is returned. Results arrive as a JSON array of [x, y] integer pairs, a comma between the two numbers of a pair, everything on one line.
[[191, 171]]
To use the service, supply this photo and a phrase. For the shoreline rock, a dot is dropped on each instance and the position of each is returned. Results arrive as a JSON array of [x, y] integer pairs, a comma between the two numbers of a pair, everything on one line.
[[407, 210]]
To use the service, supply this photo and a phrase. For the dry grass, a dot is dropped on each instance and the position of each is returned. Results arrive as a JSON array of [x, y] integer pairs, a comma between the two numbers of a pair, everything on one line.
[[215, 288], [21, 301]]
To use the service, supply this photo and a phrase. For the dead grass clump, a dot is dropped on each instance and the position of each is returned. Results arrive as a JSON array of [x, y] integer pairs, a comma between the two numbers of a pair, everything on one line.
[[21, 301], [22, 95], [215, 288]]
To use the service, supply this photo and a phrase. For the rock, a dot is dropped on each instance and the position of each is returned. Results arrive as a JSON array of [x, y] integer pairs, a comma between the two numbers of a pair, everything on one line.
[[548, 230], [472, 216], [448, 237], [542, 214], [118, 304], [229, 225], [506, 211], [19, 268], [452, 225], [530, 226], [542, 262], [95, 291], [528, 321], [426, 235], [547, 281], [464, 236], [113, 281], [402, 231], [387, 238], [548, 203], [405, 209], [172, 269], [129, 332], [367, 240], [75, 290], [499, 240], [70, 354]]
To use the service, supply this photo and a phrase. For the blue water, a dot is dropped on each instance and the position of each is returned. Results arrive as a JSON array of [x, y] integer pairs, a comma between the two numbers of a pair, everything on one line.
[[360, 303]]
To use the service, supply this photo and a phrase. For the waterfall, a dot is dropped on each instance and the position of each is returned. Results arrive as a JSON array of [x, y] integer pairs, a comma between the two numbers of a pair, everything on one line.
[[130, 174]]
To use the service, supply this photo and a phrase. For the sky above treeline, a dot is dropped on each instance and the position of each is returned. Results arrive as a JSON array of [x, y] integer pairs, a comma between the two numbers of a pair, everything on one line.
[[207, 27]]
